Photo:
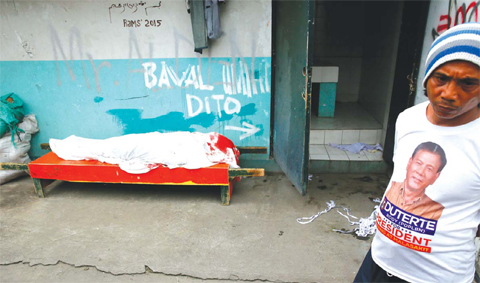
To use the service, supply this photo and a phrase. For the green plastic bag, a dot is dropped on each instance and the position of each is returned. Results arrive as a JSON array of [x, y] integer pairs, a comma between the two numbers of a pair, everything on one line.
[[11, 113]]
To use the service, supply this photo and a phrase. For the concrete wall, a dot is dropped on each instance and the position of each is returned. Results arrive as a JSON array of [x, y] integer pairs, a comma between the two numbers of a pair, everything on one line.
[[441, 11], [339, 29], [99, 69], [382, 26], [361, 37]]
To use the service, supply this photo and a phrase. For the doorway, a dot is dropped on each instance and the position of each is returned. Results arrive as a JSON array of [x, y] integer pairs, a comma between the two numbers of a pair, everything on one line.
[[361, 38]]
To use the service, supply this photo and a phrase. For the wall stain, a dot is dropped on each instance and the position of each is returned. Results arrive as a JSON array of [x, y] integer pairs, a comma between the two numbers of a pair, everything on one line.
[[98, 99], [131, 121], [247, 110], [130, 98]]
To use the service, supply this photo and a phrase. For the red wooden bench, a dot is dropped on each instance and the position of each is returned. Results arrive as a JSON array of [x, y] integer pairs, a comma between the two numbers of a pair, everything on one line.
[[48, 168]]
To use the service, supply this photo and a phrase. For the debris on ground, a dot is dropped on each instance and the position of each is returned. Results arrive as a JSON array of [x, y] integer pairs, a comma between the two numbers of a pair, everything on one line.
[[366, 226], [366, 179], [357, 147]]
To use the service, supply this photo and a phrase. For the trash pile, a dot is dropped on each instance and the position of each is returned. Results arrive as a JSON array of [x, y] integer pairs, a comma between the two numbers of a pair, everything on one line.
[[366, 226], [16, 130]]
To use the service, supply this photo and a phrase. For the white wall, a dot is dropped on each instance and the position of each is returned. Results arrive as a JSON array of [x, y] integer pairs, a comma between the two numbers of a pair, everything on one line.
[[379, 57], [339, 39], [30, 28], [437, 23]]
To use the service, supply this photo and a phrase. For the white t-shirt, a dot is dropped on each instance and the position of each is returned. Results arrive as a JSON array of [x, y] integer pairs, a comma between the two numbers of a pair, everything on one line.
[[421, 249]]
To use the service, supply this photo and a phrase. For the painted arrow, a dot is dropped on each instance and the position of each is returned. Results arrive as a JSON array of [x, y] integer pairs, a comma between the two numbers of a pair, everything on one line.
[[249, 129]]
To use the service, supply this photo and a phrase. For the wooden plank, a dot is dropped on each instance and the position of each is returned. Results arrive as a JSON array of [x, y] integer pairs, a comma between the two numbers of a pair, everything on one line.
[[225, 195], [45, 146], [252, 149], [246, 172], [50, 166], [13, 166], [39, 188]]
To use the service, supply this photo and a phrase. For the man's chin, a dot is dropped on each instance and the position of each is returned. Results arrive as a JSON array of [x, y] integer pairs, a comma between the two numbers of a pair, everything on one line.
[[416, 187]]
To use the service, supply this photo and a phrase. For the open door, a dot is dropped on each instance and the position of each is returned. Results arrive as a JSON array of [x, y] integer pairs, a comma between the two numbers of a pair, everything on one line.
[[293, 38]]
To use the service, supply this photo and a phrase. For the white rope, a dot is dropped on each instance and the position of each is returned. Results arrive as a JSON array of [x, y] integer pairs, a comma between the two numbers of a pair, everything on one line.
[[306, 220], [366, 226]]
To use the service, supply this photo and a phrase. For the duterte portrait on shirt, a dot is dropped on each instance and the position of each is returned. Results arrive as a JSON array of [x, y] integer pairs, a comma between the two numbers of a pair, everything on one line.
[[423, 169]]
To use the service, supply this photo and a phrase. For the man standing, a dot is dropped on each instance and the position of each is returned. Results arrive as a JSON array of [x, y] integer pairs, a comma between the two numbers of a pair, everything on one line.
[[423, 169], [408, 247]]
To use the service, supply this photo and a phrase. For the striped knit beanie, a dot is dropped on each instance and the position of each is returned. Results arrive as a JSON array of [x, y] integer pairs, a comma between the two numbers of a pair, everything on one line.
[[461, 42]]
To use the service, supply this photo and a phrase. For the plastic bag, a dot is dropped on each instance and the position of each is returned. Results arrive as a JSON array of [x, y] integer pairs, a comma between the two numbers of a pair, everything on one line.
[[11, 113], [19, 152]]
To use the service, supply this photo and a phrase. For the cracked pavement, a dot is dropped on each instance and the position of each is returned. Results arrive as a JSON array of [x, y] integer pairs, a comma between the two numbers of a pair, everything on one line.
[[115, 233]]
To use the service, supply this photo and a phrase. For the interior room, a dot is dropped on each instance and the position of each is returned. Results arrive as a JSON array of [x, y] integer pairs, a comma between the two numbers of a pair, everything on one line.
[[354, 53]]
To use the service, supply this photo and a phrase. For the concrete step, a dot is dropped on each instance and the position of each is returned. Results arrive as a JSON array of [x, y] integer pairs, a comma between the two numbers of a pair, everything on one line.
[[347, 166]]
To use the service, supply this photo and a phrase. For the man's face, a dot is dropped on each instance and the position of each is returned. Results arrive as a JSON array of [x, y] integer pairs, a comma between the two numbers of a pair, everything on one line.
[[422, 170], [454, 93]]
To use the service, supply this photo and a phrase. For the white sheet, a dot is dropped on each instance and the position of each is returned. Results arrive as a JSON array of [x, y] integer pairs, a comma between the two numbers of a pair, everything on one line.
[[140, 153]]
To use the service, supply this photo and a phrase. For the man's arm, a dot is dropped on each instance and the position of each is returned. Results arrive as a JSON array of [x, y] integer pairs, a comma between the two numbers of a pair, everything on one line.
[[478, 231]]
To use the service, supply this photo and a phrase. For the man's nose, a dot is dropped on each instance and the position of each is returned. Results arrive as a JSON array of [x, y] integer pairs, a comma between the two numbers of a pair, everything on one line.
[[450, 92], [421, 170]]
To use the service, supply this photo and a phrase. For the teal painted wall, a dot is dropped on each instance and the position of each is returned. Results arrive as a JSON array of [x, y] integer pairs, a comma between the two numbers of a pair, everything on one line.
[[116, 97], [83, 71]]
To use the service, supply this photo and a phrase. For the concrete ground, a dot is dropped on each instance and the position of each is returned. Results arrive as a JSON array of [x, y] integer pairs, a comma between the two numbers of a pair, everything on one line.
[[122, 233]]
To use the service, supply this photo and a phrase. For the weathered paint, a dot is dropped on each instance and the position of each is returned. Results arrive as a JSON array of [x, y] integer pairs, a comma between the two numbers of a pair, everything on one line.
[[45, 146], [293, 89], [246, 172], [225, 194], [70, 107], [13, 166], [40, 186], [101, 69]]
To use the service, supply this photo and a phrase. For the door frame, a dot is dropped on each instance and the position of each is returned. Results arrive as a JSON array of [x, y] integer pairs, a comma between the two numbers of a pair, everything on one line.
[[410, 45]]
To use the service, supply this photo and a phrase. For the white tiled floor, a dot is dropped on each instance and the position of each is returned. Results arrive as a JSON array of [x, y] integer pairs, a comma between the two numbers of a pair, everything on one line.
[[326, 152], [351, 124], [350, 136], [345, 136]]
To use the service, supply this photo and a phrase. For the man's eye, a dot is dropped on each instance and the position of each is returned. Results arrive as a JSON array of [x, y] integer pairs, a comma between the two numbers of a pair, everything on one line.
[[441, 79], [469, 85]]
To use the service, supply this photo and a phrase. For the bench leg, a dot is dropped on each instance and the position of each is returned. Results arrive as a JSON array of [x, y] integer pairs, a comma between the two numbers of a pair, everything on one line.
[[225, 194], [40, 185]]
